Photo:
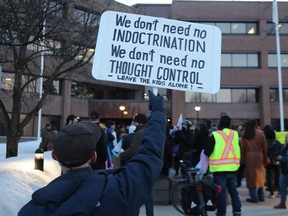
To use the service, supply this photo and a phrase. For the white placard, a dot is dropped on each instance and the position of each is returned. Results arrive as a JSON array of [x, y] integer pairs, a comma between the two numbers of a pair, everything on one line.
[[158, 52]]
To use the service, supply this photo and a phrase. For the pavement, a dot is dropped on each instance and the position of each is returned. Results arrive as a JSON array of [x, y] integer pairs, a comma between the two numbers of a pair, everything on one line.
[[248, 209]]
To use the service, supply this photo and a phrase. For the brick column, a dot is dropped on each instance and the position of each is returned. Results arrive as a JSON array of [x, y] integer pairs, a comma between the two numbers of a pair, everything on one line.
[[178, 105]]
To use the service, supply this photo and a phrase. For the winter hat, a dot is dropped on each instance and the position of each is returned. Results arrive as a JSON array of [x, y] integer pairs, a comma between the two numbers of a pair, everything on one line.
[[224, 121], [76, 143], [141, 119], [186, 122], [94, 115]]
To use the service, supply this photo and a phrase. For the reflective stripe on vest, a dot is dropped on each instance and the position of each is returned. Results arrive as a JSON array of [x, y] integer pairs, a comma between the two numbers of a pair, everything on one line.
[[225, 158]]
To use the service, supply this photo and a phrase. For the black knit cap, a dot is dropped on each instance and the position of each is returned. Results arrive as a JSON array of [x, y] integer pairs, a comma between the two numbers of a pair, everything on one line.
[[224, 121], [76, 143], [94, 115], [141, 119]]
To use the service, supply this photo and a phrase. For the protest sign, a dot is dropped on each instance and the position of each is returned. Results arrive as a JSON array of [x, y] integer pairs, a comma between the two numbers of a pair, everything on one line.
[[158, 52]]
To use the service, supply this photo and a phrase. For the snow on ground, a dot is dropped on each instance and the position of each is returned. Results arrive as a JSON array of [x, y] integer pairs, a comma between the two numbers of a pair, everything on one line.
[[19, 179]]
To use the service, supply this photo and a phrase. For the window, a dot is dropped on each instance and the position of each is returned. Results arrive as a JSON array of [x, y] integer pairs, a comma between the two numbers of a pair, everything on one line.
[[76, 89], [285, 95], [283, 28], [86, 90], [8, 38], [7, 81], [252, 96], [56, 9], [272, 60], [192, 97], [33, 46], [224, 96], [274, 94], [86, 54], [86, 18], [32, 87], [83, 90], [239, 95], [240, 60], [55, 88], [229, 95], [242, 28], [206, 98], [51, 46]]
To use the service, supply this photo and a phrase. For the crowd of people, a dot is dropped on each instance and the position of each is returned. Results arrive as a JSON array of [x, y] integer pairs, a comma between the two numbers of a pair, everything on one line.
[[233, 153]]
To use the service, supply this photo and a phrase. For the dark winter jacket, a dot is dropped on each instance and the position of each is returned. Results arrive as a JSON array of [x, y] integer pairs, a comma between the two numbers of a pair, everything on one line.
[[85, 192], [135, 145], [185, 139], [201, 140], [274, 149], [284, 159], [101, 150], [127, 140]]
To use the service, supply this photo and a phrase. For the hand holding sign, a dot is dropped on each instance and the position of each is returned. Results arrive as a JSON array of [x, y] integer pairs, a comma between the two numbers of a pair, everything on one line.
[[156, 103]]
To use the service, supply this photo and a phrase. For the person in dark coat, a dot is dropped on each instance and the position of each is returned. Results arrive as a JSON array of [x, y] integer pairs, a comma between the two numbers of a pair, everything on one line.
[[51, 137], [139, 121], [127, 140], [101, 146], [82, 191], [185, 139], [273, 168], [44, 133], [201, 139]]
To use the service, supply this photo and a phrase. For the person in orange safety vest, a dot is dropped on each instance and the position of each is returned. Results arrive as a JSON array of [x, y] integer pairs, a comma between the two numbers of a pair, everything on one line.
[[223, 150]]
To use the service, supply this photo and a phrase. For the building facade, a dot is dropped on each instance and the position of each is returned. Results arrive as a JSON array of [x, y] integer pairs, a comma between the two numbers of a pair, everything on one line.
[[249, 75]]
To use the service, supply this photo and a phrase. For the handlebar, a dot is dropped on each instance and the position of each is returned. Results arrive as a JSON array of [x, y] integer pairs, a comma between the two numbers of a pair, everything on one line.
[[193, 170]]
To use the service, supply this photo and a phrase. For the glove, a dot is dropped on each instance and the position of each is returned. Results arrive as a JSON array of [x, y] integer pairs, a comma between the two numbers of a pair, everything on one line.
[[156, 103]]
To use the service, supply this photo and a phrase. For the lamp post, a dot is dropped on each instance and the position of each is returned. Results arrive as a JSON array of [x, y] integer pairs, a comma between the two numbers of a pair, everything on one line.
[[122, 108], [39, 159], [197, 109]]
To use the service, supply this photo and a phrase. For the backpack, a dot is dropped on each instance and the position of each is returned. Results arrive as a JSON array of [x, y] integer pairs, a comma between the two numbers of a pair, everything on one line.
[[190, 199]]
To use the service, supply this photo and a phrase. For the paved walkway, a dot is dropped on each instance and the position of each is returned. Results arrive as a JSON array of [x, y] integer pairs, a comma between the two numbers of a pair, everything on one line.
[[248, 209]]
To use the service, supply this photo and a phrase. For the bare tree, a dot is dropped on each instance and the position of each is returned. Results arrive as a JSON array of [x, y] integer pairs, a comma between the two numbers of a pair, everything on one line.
[[63, 31]]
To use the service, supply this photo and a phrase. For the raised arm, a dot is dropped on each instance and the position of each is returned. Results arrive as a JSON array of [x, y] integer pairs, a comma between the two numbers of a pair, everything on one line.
[[142, 170]]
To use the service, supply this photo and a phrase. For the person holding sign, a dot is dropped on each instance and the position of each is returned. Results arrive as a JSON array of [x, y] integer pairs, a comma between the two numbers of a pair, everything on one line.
[[82, 191]]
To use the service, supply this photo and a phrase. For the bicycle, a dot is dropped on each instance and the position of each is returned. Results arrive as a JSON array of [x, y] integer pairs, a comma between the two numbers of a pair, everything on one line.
[[193, 195]]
